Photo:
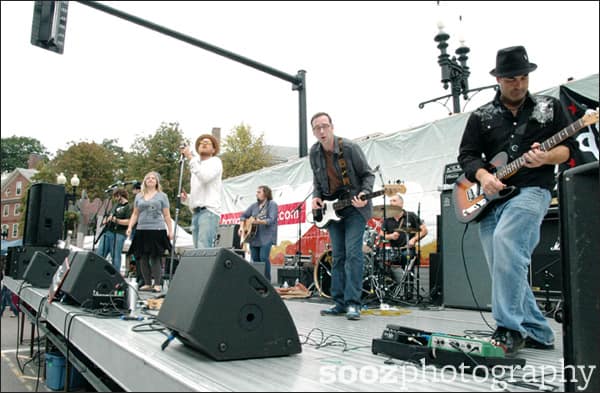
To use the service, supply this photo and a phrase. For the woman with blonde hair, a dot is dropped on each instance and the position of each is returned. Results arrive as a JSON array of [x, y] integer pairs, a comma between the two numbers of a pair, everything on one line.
[[151, 240]]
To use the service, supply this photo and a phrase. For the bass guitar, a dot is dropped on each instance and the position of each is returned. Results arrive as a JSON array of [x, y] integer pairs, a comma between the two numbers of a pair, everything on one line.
[[249, 228], [470, 202], [327, 212]]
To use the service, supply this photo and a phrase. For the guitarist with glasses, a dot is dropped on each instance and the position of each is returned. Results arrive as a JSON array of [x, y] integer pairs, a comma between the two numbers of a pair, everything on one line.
[[517, 127], [340, 170], [258, 227]]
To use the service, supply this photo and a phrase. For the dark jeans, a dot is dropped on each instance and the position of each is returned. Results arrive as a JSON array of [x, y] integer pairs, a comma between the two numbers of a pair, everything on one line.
[[7, 301], [348, 259], [261, 254]]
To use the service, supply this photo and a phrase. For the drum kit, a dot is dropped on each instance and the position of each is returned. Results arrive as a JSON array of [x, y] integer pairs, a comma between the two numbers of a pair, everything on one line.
[[388, 272]]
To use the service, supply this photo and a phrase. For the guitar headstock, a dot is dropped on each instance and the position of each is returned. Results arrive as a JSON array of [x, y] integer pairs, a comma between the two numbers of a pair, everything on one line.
[[392, 189], [590, 117]]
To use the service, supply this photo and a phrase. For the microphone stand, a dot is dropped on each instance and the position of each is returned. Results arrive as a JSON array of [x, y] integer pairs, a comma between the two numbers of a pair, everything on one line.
[[299, 248], [380, 290], [418, 287], [177, 207], [104, 215]]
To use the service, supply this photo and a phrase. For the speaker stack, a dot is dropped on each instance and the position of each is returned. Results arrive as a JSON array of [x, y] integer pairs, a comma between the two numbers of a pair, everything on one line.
[[38, 258], [45, 214], [544, 273], [579, 193], [21, 260], [456, 291], [221, 306]]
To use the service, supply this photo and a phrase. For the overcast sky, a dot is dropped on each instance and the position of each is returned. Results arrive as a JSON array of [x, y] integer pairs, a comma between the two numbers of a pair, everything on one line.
[[369, 64]]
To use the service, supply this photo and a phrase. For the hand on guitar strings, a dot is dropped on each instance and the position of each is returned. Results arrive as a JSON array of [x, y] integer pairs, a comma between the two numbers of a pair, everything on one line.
[[358, 202], [535, 157]]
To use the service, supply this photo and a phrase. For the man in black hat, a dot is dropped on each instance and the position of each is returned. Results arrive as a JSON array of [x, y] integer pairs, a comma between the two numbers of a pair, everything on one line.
[[514, 123]]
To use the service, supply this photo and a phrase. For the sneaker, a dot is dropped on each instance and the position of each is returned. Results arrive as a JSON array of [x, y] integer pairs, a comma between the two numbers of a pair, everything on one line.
[[145, 288], [353, 313], [532, 343], [333, 311], [509, 340]]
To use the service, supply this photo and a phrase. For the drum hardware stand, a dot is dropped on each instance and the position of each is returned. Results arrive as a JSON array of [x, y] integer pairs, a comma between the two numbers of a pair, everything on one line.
[[418, 256]]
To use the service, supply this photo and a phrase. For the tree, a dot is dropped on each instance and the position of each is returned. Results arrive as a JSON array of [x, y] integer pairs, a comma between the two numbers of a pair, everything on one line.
[[95, 165], [16, 151], [160, 153], [243, 152]]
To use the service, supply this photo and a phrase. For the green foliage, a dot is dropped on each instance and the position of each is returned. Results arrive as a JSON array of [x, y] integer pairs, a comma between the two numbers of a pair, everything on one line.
[[243, 152], [16, 151], [160, 152], [95, 165]]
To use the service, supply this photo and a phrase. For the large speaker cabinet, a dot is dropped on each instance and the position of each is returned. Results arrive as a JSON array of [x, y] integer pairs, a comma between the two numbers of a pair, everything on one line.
[[544, 273], [220, 305], [456, 287], [45, 214], [579, 222]]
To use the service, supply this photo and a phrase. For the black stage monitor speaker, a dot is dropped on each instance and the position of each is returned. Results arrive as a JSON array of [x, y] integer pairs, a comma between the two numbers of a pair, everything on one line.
[[220, 305], [42, 267], [45, 214], [90, 274], [227, 236], [579, 222], [456, 286], [19, 258]]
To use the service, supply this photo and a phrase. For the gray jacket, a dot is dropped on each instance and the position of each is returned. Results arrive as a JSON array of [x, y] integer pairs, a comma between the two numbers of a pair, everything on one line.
[[359, 172]]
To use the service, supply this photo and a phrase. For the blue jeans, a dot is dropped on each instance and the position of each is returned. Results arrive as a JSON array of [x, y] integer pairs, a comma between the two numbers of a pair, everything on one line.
[[107, 246], [204, 228], [7, 301], [261, 254], [348, 259], [509, 233]]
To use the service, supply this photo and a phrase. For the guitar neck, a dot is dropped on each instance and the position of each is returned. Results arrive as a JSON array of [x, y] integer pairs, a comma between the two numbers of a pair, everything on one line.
[[348, 202], [512, 167]]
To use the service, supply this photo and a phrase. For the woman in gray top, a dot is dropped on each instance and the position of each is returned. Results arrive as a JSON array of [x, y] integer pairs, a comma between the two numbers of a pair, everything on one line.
[[151, 240]]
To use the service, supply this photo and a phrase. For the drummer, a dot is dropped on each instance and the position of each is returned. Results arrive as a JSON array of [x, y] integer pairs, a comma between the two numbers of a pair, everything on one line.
[[403, 229]]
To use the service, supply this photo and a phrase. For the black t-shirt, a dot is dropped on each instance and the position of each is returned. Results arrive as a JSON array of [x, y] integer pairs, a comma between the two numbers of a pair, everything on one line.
[[390, 224]]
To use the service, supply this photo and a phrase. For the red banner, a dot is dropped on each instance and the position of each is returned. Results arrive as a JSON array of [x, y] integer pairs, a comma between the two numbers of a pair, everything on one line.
[[286, 214]]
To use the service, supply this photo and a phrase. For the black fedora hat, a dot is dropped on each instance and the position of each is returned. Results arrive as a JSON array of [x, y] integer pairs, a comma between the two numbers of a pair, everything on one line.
[[511, 62]]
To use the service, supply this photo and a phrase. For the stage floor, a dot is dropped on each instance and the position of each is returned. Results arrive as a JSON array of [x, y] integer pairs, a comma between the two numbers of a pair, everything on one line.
[[357, 369], [135, 361]]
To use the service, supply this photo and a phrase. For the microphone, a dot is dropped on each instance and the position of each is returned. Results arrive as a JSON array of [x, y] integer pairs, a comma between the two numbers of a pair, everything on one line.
[[130, 182], [113, 186]]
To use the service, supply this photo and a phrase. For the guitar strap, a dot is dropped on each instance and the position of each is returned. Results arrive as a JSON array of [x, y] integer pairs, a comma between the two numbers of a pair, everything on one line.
[[343, 166]]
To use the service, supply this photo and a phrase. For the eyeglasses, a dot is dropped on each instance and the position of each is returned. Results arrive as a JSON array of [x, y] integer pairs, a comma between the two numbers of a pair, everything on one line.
[[321, 126], [205, 143]]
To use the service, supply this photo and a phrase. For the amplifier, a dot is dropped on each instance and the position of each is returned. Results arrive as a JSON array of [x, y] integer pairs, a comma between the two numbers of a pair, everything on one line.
[[451, 173]]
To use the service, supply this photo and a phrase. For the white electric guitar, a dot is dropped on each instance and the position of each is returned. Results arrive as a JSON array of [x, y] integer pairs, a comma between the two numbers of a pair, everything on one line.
[[327, 212]]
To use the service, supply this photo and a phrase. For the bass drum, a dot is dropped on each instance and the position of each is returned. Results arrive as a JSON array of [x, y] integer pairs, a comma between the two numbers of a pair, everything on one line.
[[322, 274]]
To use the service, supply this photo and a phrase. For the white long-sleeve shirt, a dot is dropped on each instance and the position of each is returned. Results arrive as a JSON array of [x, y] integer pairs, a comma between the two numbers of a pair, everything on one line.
[[206, 186]]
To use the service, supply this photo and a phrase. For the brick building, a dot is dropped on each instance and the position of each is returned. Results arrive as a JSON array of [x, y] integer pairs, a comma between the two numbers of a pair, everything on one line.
[[14, 188]]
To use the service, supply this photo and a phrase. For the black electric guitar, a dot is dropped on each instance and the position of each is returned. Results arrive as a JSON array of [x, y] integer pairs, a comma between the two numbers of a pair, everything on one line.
[[470, 202], [328, 213]]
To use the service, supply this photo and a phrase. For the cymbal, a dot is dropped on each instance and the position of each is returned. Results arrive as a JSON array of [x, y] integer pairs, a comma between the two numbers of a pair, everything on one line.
[[389, 211], [410, 231]]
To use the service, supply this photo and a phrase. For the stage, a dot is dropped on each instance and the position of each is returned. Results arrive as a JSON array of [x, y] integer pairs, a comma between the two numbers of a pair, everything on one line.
[[123, 359]]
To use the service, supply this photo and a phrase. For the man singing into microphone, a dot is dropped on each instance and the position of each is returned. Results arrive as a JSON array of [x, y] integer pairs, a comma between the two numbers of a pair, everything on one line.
[[205, 190]]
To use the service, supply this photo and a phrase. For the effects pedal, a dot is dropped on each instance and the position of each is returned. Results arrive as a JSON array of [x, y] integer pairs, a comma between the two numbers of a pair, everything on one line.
[[464, 344]]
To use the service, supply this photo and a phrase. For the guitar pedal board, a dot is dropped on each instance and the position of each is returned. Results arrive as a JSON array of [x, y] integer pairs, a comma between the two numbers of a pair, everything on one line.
[[440, 349]]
